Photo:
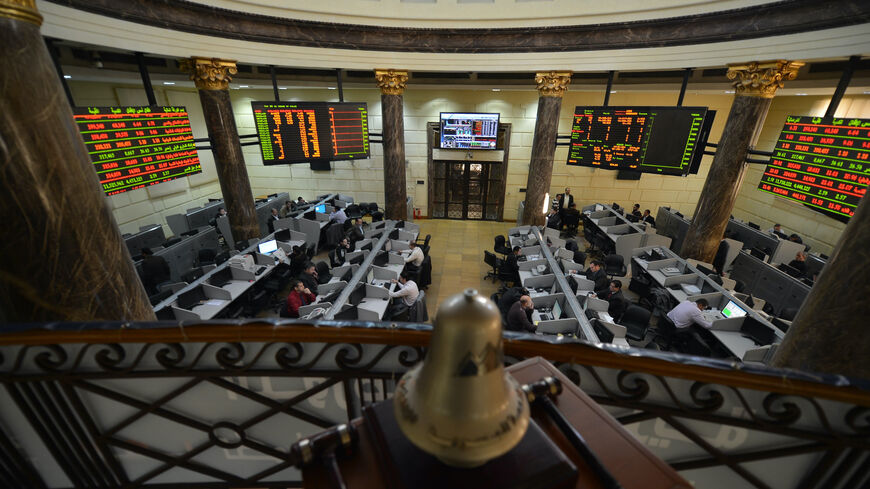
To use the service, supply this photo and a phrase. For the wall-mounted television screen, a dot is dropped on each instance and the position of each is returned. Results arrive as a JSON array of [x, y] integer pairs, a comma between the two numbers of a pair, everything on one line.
[[823, 163], [663, 140], [134, 147], [469, 130], [299, 132]]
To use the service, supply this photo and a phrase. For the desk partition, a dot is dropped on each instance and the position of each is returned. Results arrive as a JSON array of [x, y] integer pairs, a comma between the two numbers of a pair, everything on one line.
[[623, 234], [780, 290], [148, 237], [194, 218]]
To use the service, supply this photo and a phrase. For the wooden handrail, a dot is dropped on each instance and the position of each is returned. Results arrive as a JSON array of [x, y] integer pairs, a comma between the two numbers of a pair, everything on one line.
[[579, 353]]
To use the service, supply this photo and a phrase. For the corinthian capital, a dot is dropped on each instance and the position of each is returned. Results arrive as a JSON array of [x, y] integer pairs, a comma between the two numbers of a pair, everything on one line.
[[391, 82], [20, 10], [210, 73], [762, 79], [552, 83]]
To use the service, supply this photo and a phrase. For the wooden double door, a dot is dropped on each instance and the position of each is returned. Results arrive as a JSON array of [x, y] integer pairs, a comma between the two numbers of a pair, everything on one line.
[[467, 190]]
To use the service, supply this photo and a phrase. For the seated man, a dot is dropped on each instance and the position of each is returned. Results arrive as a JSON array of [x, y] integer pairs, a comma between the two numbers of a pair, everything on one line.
[[596, 273], [635, 211], [647, 217], [796, 239], [616, 299], [338, 216], [687, 313], [341, 251], [414, 255], [356, 232], [286, 210], [519, 317], [511, 264], [572, 215], [510, 296], [800, 262], [309, 277], [407, 290], [299, 296], [270, 223]]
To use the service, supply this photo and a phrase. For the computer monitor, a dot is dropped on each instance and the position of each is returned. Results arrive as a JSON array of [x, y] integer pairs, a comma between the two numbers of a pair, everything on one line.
[[332, 296], [572, 282], [358, 294], [348, 312], [347, 275], [320, 208], [367, 246], [394, 234], [399, 225], [753, 225], [310, 215], [356, 260], [604, 334], [379, 224], [792, 271], [188, 300], [221, 277], [557, 310], [268, 247], [758, 332], [758, 253], [732, 310], [282, 235], [381, 259]]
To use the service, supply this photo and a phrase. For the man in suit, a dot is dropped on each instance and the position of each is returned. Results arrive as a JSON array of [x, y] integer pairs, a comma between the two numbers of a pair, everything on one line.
[[309, 277], [511, 264], [647, 217], [565, 200], [287, 209], [596, 273], [799, 263], [635, 211], [272, 218], [356, 232], [616, 299], [519, 317], [299, 296]]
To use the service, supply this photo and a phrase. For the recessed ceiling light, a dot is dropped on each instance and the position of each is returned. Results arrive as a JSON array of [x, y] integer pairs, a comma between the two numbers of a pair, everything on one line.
[[613, 91], [729, 91], [331, 88], [70, 76], [243, 86], [169, 83], [496, 89], [282, 88], [801, 94]]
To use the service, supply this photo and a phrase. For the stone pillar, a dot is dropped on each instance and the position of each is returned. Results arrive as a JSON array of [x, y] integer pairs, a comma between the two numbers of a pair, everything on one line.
[[212, 78], [551, 86], [755, 84], [63, 256], [392, 84], [829, 333]]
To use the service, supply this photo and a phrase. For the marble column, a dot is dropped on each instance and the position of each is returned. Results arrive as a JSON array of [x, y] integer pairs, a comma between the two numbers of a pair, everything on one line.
[[392, 85], [755, 84], [551, 86], [212, 78], [829, 333], [63, 255]]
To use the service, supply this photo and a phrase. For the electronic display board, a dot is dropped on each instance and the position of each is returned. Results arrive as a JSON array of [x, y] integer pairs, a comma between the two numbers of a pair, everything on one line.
[[663, 140], [469, 130], [821, 162], [299, 132], [133, 147]]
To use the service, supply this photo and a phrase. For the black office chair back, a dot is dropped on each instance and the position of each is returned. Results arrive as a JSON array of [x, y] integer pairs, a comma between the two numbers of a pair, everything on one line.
[[490, 259], [636, 322], [221, 257], [571, 245], [160, 296], [614, 265], [323, 274], [580, 258], [501, 245]]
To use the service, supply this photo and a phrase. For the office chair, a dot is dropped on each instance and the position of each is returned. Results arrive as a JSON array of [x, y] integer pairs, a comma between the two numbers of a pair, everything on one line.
[[572, 222], [580, 258], [323, 274], [221, 257], [493, 261], [190, 276], [614, 265], [424, 244], [501, 245], [353, 212], [425, 274], [636, 322], [254, 302], [377, 216], [160, 296]]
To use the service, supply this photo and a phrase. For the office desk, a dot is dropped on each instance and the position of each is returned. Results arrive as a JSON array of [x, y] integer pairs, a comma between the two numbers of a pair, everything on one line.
[[210, 309], [734, 342], [376, 305], [237, 287]]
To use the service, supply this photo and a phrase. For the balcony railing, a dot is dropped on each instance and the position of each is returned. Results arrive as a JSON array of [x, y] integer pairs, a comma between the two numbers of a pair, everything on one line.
[[217, 405]]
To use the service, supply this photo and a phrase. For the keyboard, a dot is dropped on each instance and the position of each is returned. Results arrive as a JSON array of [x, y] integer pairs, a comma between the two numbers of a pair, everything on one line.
[[260, 271], [671, 271]]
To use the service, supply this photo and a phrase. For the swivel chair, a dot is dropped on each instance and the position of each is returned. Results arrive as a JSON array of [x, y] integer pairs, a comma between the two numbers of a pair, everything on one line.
[[614, 265], [501, 245], [495, 262], [636, 322]]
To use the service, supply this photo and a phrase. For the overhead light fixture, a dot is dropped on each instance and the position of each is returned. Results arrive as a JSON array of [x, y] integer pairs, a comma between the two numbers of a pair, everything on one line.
[[169, 83], [331, 88], [243, 86], [282, 88], [70, 76], [613, 91], [496, 89], [729, 91], [546, 201], [800, 94]]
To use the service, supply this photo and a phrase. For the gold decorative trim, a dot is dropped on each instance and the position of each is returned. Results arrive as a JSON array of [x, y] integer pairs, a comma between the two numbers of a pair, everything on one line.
[[762, 79], [210, 73], [553, 83], [20, 10], [391, 82]]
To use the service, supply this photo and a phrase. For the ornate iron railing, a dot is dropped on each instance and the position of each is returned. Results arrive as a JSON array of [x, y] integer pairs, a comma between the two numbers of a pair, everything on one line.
[[218, 405]]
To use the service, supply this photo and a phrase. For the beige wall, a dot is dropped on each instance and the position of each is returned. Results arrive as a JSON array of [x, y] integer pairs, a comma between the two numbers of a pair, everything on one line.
[[364, 179]]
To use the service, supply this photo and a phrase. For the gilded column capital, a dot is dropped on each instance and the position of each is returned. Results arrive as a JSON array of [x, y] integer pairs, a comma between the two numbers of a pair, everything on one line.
[[20, 10], [762, 79], [391, 82], [210, 73], [552, 83]]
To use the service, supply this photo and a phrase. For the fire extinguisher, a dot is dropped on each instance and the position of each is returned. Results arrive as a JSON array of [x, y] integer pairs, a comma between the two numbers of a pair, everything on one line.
[[417, 213]]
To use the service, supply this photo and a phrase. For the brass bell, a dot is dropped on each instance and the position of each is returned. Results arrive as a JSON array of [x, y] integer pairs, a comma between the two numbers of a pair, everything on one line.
[[459, 404]]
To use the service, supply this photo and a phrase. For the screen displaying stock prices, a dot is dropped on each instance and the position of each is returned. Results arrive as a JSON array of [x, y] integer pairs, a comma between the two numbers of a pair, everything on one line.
[[469, 130], [133, 147], [299, 132], [823, 163], [663, 140]]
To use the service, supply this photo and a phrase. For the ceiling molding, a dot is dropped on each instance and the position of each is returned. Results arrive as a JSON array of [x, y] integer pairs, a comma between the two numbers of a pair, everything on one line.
[[780, 18]]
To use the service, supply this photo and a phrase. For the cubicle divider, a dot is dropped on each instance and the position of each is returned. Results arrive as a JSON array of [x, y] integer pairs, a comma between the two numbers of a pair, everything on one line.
[[194, 218], [150, 236], [624, 235], [779, 289], [182, 255]]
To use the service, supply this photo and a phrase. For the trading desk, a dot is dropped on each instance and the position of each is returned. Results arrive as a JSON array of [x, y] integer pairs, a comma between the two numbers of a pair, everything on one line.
[[624, 235], [779, 289]]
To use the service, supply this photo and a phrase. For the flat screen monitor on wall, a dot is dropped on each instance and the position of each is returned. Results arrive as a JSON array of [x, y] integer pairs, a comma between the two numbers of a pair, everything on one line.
[[300, 132], [134, 147], [662, 140], [469, 130], [823, 163]]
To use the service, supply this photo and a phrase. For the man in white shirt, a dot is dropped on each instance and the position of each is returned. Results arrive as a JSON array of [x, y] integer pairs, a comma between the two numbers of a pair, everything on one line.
[[415, 255], [338, 216], [688, 312], [407, 289]]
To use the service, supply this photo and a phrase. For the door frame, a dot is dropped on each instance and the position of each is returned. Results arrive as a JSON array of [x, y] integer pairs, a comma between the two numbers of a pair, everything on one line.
[[434, 153]]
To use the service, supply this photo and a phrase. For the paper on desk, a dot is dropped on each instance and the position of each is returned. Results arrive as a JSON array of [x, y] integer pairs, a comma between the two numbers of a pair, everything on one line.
[[214, 302]]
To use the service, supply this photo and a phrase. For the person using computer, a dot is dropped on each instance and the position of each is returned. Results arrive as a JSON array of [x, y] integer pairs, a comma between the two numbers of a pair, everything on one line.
[[299, 296], [554, 221], [571, 214], [635, 211], [309, 277], [407, 289], [596, 273], [300, 201], [508, 298], [286, 210], [341, 250], [272, 218], [356, 232], [519, 317], [795, 239], [800, 262], [615, 298], [415, 255], [155, 271], [687, 313], [338, 215], [511, 264], [648, 218]]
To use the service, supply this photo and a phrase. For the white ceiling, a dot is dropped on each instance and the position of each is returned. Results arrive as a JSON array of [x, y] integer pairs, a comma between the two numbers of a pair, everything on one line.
[[71, 24]]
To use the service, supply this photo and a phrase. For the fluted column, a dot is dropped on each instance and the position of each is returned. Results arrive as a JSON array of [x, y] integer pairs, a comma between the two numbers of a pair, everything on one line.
[[755, 84], [392, 85], [551, 86], [212, 77], [63, 256], [829, 333]]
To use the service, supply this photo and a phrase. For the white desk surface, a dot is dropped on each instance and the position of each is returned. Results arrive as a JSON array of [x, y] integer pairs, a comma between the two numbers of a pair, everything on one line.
[[735, 342], [211, 308], [237, 287], [376, 305]]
